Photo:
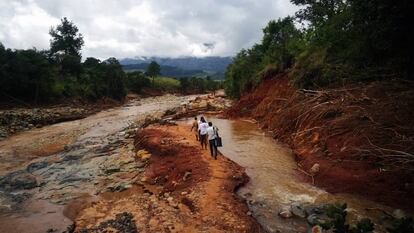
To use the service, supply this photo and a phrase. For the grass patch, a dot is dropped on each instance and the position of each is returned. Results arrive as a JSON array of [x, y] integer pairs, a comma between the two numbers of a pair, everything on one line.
[[166, 84]]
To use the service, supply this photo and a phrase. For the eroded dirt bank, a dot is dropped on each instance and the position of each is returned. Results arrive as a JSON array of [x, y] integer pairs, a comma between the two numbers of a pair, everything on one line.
[[184, 189], [359, 137]]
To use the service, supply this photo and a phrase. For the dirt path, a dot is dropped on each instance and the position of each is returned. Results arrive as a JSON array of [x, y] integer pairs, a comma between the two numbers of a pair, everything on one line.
[[220, 206], [184, 189]]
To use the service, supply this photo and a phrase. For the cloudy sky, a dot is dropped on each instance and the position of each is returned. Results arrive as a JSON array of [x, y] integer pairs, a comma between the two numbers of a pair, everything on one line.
[[129, 28]]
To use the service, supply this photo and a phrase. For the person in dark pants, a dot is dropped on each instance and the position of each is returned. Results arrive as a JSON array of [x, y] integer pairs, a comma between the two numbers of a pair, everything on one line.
[[212, 135]]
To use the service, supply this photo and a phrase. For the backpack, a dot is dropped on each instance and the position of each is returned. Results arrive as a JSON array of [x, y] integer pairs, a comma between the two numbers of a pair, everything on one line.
[[219, 143]]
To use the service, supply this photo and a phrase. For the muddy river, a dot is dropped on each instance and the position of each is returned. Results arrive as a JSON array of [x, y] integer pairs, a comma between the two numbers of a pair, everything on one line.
[[274, 183]]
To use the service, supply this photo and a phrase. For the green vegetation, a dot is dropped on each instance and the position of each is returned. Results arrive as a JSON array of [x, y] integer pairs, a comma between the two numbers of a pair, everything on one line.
[[199, 85], [342, 42], [45, 76], [336, 221], [402, 225], [153, 70], [136, 81], [33, 77], [166, 84]]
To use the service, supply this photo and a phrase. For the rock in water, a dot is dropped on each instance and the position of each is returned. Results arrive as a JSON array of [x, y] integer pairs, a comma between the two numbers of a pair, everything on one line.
[[298, 210], [398, 213], [36, 166], [315, 219], [314, 209], [18, 180], [112, 169], [285, 213]]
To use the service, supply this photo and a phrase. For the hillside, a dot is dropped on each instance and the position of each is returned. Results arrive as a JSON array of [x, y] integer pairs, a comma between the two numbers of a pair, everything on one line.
[[169, 71], [216, 64], [182, 66]]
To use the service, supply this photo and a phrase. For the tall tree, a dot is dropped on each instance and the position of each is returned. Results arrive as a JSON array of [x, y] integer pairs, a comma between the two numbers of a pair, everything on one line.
[[66, 38], [281, 42], [153, 70], [116, 79]]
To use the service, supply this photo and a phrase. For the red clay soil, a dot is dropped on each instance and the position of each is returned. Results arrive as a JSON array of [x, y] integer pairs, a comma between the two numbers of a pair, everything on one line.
[[362, 136], [178, 164], [166, 155]]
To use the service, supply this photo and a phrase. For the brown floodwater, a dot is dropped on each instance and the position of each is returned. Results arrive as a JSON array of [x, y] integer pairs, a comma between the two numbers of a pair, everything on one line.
[[273, 181], [37, 216]]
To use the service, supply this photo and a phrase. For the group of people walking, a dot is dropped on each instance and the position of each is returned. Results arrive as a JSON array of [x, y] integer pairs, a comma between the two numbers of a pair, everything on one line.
[[206, 132]]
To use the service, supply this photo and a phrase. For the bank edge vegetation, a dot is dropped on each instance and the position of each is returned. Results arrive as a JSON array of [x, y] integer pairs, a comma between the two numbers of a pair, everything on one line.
[[330, 43]]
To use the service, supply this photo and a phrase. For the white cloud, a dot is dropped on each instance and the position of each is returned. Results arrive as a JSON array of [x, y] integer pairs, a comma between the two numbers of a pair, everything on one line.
[[128, 28], [24, 25]]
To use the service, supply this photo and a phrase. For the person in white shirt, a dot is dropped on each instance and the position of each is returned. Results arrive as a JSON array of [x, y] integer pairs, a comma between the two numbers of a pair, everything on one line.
[[212, 136], [202, 127]]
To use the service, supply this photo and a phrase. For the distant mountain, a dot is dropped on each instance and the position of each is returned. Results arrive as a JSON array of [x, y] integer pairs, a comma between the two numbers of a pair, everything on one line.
[[170, 71], [182, 66]]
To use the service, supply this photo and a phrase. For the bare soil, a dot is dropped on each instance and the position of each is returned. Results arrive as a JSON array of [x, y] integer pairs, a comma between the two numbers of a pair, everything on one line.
[[184, 189]]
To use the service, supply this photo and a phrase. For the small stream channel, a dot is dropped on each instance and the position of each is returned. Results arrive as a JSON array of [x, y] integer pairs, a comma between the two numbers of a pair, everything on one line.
[[273, 179]]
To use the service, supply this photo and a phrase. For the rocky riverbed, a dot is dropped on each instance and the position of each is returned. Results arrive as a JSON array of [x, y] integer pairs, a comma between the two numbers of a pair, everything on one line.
[[16, 120], [47, 174]]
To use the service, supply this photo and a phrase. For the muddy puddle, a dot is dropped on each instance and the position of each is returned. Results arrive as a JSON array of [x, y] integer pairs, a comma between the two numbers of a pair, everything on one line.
[[274, 183]]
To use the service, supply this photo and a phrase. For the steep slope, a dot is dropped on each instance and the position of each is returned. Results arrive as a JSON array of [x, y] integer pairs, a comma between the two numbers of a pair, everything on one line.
[[361, 136]]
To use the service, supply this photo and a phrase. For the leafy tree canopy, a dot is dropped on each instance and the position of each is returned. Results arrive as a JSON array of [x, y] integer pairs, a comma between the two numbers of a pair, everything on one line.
[[66, 39], [341, 41], [153, 69]]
